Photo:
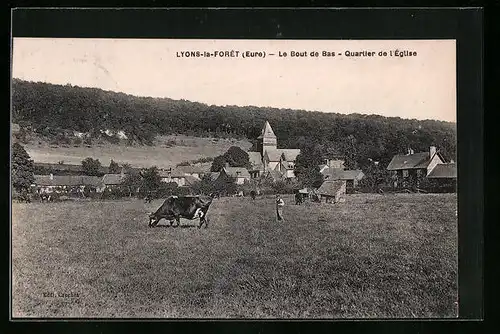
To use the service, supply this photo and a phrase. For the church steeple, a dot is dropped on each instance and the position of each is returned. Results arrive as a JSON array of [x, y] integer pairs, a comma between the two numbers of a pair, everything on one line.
[[267, 131], [267, 138]]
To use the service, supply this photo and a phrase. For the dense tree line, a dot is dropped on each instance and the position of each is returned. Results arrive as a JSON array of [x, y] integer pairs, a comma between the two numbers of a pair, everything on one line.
[[49, 109]]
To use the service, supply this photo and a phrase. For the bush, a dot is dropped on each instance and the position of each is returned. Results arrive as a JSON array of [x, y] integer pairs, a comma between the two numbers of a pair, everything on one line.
[[166, 189], [284, 187], [115, 193]]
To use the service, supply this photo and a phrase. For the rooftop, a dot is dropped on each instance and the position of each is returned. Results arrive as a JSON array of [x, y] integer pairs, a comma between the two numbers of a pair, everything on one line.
[[411, 161], [287, 153], [113, 179], [330, 188], [267, 131], [342, 174], [444, 171], [189, 169], [214, 175], [67, 180], [236, 172]]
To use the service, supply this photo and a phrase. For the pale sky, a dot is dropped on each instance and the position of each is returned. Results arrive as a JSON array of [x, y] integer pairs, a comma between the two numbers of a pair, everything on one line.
[[421, 87]]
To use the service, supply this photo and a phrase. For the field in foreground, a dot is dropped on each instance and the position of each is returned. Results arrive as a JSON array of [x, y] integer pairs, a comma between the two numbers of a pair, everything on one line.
[[373, 256]]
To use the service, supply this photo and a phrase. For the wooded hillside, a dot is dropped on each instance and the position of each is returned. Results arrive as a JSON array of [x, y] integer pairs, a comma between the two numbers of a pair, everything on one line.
[[50, 109]]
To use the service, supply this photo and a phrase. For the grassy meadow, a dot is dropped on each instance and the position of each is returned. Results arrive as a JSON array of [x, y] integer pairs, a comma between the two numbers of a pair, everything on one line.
[[372, 256], [167, 151]]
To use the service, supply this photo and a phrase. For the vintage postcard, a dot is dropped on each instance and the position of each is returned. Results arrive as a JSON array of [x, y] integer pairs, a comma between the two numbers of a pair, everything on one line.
[[229, 179]]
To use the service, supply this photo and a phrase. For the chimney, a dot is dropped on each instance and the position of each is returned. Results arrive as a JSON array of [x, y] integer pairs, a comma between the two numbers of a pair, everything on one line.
[[432, 151], [51, 176]]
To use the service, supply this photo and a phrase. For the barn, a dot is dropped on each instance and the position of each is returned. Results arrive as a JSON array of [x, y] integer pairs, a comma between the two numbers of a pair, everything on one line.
[[332, 191]]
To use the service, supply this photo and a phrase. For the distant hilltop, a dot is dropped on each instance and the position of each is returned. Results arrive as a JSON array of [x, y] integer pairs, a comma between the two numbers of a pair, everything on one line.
[[50, 110]]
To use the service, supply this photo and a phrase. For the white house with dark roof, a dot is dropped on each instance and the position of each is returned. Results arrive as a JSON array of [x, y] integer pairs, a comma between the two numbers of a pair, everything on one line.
[[182, 176], [240, 174]]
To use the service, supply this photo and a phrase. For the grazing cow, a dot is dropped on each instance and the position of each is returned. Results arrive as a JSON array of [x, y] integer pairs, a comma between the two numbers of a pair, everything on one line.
[[253, 194], [189, 207]]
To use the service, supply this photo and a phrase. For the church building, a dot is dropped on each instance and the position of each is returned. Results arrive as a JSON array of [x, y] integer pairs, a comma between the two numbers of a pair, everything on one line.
[[271, 160]]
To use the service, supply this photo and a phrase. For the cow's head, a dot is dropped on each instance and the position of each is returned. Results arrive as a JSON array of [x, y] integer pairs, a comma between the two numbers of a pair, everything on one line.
[[152, 219]]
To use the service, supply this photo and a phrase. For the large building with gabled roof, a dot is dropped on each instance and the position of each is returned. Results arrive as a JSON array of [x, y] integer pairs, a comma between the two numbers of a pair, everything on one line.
[[270, 158], [430, 164]]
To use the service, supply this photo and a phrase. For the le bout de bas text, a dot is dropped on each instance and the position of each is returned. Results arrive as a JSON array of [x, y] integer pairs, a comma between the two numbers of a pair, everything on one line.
[[296, 54]]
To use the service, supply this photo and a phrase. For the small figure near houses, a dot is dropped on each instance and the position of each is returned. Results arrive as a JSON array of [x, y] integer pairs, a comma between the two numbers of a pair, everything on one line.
[[279, 208], [298, 198], [253, 194]]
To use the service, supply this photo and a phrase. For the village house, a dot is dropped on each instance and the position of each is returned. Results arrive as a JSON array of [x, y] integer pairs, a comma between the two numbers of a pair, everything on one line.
[[443, 177], [66, 183], [178, 176], [332, 191], [414, 166], [239, 174], [446, 171], [270, 158], [113, 181], [192, 171], [333, 169], [256, 166]]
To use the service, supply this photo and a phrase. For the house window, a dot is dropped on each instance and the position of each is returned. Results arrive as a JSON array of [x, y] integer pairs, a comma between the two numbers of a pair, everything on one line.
[[405, 173], [419, 172]]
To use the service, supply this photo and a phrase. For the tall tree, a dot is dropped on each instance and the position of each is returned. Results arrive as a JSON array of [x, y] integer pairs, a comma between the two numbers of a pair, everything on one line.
[[234, 156], [133, 180], [91, 166], [375, 177], [114, 168], [151, 180], [22, 169]]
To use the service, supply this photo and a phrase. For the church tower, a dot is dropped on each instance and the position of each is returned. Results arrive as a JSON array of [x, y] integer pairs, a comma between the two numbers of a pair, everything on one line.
[[267, 139]]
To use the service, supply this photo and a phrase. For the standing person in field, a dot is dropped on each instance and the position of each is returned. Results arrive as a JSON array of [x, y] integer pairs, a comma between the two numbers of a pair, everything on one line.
[[279, 208]]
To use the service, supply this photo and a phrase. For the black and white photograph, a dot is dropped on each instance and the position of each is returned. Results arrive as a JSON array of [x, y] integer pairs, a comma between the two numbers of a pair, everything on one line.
[[234, 179]]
